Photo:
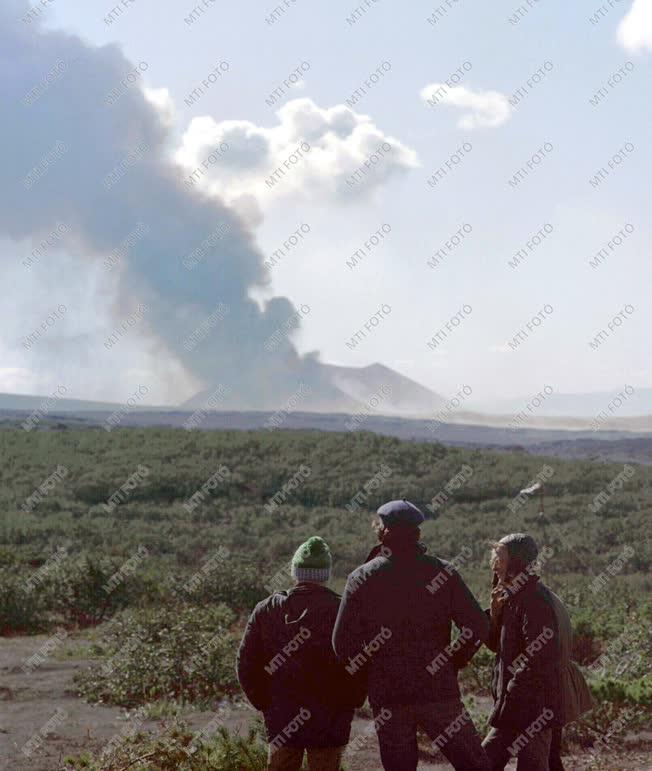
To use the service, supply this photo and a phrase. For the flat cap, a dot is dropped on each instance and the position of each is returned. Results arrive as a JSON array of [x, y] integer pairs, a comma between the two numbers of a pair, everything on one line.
[[400, 512]]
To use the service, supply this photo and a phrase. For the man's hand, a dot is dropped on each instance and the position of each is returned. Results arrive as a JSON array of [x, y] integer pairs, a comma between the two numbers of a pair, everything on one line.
[[498, 598]]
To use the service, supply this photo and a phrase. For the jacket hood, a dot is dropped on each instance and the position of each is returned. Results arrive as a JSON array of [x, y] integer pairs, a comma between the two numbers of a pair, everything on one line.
[[305, 599]]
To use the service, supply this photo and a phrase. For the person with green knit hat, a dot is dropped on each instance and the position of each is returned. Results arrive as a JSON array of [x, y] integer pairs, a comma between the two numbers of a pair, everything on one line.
[[288, 670], [312, 561]]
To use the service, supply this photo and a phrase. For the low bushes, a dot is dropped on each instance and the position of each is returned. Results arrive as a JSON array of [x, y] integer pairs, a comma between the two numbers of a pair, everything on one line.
[[81, 590], [177, 748], [21, 611], [184, 653], [73, 592]]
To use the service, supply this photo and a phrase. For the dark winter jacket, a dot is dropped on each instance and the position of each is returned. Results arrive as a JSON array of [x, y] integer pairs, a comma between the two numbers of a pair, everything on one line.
[[527, 681], [395, 623], [286, 663]]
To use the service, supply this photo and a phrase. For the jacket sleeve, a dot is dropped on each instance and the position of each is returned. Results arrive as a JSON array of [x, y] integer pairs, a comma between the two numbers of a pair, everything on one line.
[[348, 632], [250, 663], [493, 637], [536, 668], [470, 619]]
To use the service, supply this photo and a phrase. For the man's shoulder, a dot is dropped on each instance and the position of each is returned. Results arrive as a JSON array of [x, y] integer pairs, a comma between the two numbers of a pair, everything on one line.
[[269, 603], [367, 568], [438, 562], [547, 597], [537, 598], [383, 562], [435, 564], [276, 600], [328, 596]]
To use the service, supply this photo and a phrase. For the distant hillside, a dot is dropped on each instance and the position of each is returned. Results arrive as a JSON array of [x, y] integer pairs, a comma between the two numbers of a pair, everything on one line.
[[336, 389], [602, 445], [620, 450], [399, 395], [315, 396]]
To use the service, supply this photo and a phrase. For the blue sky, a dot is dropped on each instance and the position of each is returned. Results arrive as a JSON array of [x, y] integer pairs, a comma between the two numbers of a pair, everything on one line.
[[500, 57]]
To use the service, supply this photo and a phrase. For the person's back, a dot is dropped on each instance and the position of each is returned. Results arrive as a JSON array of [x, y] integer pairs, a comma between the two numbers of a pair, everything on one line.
[[408, 603], [288, 670], [294, 630], [395, 622]]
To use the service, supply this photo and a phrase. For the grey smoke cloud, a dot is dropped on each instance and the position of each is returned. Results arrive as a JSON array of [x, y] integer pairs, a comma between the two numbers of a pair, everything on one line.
[[68, 156]]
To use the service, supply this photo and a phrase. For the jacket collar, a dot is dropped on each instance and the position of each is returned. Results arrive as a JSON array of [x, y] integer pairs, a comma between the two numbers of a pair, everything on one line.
[[410, 550], [522, 582], [306, 587]]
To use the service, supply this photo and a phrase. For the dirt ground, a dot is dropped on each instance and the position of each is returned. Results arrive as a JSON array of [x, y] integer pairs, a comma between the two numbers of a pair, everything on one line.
[[29, 700]]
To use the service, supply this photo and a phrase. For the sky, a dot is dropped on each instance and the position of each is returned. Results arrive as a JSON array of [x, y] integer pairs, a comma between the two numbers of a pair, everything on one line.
[[361, 157]]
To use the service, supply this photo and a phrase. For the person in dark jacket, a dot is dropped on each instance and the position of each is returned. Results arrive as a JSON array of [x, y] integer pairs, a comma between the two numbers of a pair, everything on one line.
[[288, 670], [529, 627], [394, 624]]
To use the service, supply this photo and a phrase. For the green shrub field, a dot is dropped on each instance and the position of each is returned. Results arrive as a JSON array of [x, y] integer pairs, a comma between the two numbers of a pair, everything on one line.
[[207, 521]]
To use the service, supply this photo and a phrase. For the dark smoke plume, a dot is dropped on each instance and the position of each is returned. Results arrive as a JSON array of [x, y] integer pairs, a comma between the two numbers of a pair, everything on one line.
[[104, 170]]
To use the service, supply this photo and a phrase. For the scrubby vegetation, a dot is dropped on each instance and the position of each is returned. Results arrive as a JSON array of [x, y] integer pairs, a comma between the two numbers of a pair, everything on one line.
[[74, 514], [177, 748], [170, 567], [180, 653]]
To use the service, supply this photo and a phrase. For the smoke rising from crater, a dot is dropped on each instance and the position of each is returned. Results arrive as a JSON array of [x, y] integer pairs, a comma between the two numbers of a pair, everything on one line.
[[101, 164]]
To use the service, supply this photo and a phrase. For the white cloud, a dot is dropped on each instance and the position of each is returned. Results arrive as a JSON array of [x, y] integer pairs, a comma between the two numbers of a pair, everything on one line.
[[162, 101], [485, 108], [246, 155], [635, 30]]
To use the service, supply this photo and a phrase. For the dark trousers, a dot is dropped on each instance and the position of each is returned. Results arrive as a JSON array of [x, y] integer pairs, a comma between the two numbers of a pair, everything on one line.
[[318, 725], [448, 724], [319, 759], [554, 760], [533, 752]]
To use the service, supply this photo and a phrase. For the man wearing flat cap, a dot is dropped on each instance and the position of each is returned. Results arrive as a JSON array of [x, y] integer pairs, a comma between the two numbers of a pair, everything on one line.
[[395, 620]]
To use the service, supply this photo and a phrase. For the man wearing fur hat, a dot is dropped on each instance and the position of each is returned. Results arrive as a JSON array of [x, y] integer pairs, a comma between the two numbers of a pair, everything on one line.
[[288, 670]]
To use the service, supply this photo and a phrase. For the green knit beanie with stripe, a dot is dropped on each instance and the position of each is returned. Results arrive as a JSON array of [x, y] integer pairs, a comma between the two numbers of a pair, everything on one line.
[[312, 561]]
